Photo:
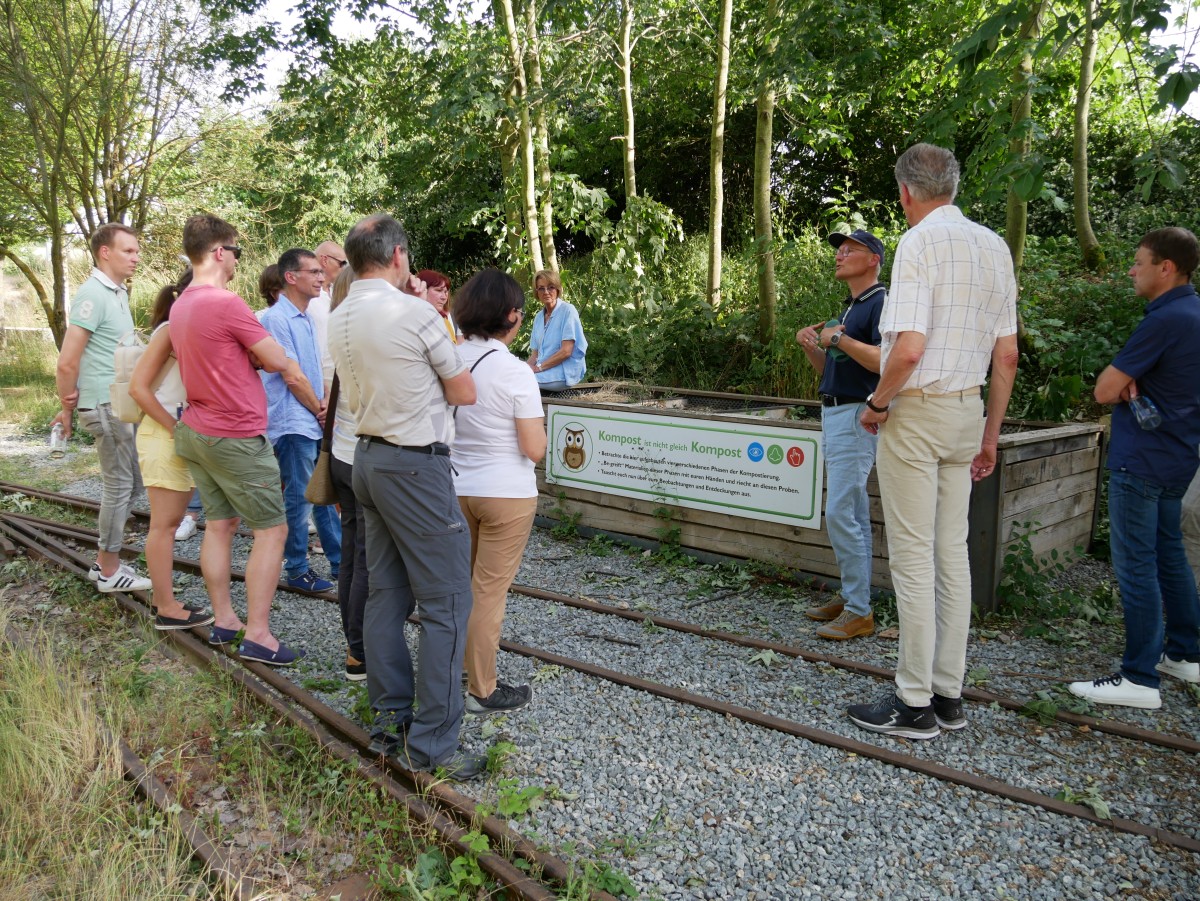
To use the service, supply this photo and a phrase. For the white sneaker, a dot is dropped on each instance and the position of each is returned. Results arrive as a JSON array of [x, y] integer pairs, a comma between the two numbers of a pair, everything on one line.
[[124, 579], [312, 527], [187, 528], [1118, 690], [94, 572], [1180, 669]]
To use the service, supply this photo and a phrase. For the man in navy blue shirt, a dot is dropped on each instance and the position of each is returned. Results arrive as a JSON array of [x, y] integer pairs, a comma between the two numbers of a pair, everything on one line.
[[847, 356], [1150, 466]]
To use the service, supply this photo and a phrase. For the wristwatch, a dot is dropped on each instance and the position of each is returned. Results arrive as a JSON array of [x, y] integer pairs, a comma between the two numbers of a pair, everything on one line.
[[834, 339], [871, 406]]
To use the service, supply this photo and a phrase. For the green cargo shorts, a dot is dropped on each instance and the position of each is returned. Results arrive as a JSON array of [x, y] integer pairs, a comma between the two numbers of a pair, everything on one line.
[[236, 477]]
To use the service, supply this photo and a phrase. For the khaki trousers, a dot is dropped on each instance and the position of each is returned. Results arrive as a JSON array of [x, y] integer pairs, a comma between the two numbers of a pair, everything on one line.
[[499, 532], [924, 467]]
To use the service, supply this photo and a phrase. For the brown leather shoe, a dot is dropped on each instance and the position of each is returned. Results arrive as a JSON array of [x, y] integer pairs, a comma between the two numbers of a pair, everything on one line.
[[848, 626], [826, 612]]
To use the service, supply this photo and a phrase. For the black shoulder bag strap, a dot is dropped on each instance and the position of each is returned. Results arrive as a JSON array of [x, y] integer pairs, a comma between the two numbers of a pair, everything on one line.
[[472, 369]]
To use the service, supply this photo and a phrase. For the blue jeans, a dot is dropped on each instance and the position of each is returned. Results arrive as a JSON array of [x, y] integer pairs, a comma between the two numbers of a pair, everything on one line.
[[849, 452], [297, 456], [1154, 575]]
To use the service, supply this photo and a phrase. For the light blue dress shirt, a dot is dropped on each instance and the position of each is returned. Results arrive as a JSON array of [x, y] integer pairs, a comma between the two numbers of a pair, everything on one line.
[[295, 333], [564, 326]]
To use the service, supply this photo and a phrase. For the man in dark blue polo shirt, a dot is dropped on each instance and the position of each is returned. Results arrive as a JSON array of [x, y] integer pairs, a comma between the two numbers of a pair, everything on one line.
[[847, 356], [1150, 465]]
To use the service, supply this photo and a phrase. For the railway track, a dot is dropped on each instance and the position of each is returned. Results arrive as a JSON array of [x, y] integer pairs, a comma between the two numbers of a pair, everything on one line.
[[449, 814], [914, 763]]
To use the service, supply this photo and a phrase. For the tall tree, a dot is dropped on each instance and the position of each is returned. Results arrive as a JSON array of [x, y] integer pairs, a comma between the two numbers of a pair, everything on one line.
[[716, 167], [520, 96], [1021, 140], [541, 128], [1093, 257], [764, 250], [100, 93], [625, 64]]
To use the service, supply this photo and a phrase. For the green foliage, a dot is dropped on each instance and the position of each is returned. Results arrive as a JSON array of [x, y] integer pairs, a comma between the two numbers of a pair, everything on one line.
[[513, 801], [567, 521], [1025, 588], [1089, 797]]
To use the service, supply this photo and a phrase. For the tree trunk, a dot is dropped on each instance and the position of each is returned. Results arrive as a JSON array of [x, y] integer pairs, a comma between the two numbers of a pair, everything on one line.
[[1022, 108], [58, 326], [716, 203], [626, 50], [504, 10], [764, 250], [1089, 247], [509, 172], [541, 129]]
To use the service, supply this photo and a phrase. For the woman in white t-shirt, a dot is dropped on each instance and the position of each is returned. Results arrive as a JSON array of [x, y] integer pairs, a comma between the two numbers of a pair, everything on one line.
[[497, 442]]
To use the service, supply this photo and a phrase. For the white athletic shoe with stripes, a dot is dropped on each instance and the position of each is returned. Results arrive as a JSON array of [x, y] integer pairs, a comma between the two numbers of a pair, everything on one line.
[[124, 579]]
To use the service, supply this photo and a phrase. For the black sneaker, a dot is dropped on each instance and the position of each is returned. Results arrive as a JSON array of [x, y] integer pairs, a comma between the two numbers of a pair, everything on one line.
[[504, 699], [948, 712], [194, 618], [356, 670], [386, 741], [891, 716], [458, 767]]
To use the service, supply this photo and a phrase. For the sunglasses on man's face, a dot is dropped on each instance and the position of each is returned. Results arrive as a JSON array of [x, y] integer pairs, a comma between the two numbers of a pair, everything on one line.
[[232, 248]]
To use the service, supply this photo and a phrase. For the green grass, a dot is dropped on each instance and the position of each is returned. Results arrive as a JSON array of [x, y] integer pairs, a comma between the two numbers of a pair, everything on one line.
[[28, 398]]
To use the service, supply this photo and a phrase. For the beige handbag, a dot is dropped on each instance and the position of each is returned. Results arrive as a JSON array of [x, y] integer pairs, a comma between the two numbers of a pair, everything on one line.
[[319, 490]]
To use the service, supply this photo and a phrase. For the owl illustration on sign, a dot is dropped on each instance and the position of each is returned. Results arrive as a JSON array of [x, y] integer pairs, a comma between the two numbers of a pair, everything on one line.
[[573, 454]]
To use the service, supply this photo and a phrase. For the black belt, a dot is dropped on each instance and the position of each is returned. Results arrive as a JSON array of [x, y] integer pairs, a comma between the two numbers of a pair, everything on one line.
[[835, 400], [437, 449]]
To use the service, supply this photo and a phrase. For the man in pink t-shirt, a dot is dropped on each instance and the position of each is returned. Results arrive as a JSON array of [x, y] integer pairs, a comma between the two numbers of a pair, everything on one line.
[[221, 434]]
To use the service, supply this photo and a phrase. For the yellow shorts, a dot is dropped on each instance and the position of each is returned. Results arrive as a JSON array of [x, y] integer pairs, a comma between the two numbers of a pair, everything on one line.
[[161, 466]]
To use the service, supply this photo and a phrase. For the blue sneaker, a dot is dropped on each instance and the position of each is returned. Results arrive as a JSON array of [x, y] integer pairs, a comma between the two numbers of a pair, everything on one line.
[[310, 581], [221, 636], [281, 656]]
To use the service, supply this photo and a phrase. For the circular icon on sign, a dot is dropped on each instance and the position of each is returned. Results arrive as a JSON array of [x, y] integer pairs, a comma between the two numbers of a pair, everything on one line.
[[571, 446], [795, 456], [754, 451], [775, 453]]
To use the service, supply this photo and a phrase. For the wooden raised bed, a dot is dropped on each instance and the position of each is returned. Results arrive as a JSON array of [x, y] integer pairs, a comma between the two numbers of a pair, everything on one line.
[[1047, 474]]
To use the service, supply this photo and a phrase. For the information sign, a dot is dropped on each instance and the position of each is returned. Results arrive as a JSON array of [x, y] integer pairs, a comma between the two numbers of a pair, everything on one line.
[[757, 471]]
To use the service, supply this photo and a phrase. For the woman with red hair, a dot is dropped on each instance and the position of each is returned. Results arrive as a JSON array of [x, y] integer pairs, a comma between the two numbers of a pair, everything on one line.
[[437, 292]]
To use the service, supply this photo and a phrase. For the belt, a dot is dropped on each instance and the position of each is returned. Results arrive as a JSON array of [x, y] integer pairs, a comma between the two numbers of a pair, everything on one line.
[[919, 392], [437, 449], [836, 400]]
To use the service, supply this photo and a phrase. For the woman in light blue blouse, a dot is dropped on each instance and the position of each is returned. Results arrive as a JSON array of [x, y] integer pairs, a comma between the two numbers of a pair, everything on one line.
[[558, 346]]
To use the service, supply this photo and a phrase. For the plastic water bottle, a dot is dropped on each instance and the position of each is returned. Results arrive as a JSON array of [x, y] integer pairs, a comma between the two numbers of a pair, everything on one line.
[[58, 441], [1146, 412]]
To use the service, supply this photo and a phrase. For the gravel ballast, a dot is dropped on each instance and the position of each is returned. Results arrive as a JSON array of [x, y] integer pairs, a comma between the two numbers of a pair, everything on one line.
[[692, 804]]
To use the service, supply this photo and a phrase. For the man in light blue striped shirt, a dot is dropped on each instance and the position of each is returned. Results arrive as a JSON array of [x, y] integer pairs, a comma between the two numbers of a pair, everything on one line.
[[295, 418]]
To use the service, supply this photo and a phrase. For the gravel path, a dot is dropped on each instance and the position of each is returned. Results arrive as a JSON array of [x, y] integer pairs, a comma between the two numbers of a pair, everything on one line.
[[691, 804]]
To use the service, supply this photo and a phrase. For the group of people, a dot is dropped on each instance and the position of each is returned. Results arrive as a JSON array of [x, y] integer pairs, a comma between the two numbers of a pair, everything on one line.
[[434, 429], [237, 407], [902, 372]]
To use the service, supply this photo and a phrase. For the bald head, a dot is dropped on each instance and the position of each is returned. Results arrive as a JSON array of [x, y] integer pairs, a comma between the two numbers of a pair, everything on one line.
[[331, 259]]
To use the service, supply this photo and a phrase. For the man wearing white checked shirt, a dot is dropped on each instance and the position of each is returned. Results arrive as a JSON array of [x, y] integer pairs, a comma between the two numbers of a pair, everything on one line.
[[950, 313]]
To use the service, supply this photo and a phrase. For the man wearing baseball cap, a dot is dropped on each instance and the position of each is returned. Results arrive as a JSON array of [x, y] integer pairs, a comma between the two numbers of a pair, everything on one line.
[[846, 353]]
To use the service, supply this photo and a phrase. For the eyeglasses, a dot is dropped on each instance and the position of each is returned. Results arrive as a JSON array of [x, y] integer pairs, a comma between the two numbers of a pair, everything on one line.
[[844, 251], [232, 248], [546, 289], [340, 263], [313, 272]]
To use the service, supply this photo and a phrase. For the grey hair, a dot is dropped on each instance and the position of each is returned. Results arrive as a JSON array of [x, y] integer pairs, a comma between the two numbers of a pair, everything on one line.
[[930, 172], [370, 243]]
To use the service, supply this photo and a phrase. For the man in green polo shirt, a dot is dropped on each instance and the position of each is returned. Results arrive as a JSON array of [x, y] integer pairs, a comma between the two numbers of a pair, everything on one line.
[[99, 317]]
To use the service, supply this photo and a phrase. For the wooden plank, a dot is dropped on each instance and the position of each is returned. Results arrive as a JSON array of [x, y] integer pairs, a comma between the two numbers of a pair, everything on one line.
[[1045, 493], [1063, 536], [1065, 445], [1051, 514], [1050, 468], [1041, 436]]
